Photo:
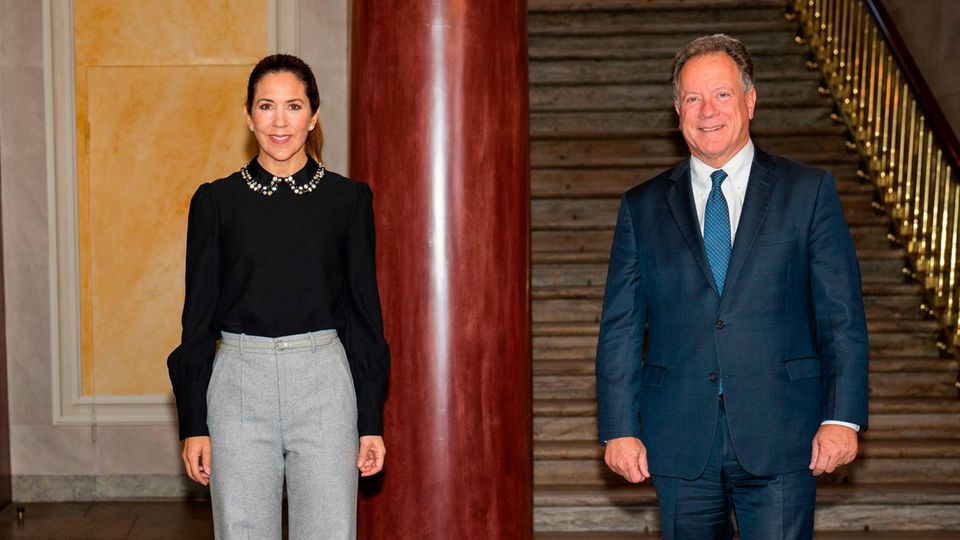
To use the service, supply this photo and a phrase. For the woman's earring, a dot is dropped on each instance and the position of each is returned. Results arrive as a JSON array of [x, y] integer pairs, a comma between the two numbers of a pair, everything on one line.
[[311, 127]]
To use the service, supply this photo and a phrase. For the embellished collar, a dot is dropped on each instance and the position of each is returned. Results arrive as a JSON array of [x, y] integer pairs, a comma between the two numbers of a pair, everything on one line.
[[301, 182]]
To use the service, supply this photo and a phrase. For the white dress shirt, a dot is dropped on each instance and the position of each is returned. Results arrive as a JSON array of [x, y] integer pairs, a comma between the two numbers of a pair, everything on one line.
[[734, 190]]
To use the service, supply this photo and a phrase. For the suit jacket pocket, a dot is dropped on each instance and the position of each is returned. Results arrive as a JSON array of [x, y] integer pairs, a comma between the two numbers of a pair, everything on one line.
[[803, 368], [653, 375], [775, 238]]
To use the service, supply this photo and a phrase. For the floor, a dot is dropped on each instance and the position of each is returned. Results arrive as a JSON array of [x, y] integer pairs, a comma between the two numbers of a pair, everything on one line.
[[191, 520], [153, 520]]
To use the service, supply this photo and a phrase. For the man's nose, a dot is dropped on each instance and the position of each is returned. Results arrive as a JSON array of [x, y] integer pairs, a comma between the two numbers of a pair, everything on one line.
[[707, 109]]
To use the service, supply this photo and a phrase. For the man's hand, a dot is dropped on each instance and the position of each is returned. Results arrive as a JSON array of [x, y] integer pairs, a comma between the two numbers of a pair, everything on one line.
[[627, 456], [370, 457], [833, 445], [196, 459]]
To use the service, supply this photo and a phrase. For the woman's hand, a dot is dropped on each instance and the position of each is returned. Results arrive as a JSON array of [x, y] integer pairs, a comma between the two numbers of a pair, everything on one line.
[[196, 459], [370, 458]]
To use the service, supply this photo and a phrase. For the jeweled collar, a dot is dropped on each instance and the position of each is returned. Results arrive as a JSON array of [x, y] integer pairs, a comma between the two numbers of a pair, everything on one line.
[[300, 183]]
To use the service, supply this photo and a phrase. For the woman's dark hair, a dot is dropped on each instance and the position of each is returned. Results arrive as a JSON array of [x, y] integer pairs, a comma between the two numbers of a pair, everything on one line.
[[286, 63]]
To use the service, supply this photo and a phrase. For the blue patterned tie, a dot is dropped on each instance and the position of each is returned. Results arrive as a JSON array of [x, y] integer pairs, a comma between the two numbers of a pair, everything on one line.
[[716, 230]]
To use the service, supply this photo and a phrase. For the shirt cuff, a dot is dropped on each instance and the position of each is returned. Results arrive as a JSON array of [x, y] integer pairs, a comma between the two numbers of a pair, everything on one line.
[[854, 427]]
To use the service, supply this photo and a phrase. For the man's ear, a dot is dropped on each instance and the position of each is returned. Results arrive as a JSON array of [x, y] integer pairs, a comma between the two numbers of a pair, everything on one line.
[[751, 101]]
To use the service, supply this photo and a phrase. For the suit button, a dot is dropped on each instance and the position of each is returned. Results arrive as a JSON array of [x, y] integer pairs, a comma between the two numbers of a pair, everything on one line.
[[713, 377], [720, 325]]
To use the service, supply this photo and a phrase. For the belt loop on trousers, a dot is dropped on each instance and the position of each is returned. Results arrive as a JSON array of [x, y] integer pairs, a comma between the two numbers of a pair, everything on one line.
[[313, 342], [241, 344]]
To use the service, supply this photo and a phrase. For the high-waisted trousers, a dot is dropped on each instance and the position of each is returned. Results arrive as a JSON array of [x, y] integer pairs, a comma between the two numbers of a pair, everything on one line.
[[283, 408]]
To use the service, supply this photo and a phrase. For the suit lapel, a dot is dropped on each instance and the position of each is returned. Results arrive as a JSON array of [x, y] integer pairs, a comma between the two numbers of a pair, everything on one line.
[[680, 200], [755, 204]]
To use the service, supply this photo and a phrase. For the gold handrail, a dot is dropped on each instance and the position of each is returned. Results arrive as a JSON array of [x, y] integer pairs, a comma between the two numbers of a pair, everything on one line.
[[904, 158]]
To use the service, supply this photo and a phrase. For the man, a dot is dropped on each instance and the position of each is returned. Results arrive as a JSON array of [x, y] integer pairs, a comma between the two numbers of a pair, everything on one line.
[[742, 269]]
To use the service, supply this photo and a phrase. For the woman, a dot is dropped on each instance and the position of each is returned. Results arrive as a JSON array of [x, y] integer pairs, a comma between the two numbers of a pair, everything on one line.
[[280, 269]]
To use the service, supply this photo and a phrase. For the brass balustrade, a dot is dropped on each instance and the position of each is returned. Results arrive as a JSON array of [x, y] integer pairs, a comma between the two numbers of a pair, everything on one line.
[[914, 172]]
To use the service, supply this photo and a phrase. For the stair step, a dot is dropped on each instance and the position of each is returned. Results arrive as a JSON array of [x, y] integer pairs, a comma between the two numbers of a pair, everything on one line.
[[823, 159], [798, 112], [878, 405], [590, 214], [561, 362], [876, 326], [838, 517], [870, 470], [870, 448], [625, 47], [573, 6], [580, 310], [629, 509], [883, 426], [623, 494], [597, 257], [594, 534], [601, 182], [599, 151], [914, 354], [595, 96], [616, 81], [594, 275], [673, 32], [883, 384], [547, 241], [586, 311], [908, 293], [894, 349], [646, 134]]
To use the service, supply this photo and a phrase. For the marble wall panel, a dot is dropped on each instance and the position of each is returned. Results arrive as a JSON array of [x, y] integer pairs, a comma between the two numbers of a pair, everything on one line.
[[169, 32], [53, 450], [138, 450], [324, 38], [21, 23], [156, 133], [132, 218], [24, 199]]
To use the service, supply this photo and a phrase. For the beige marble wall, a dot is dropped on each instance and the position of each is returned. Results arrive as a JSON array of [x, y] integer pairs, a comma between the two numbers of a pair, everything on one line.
[[155, 102], [931, 30], [62, 462]]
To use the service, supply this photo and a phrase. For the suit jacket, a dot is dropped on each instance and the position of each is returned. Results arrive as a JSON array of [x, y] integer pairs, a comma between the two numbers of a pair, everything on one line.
[[788, 336]]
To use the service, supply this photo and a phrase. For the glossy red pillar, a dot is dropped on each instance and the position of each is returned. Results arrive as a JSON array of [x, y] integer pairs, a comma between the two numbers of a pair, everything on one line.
[[439, 131]]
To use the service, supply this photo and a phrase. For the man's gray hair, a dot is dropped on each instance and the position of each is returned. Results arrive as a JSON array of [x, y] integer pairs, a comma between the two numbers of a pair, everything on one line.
[[717, 43]]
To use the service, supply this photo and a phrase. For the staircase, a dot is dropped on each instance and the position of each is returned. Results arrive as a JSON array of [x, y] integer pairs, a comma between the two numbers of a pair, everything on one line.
[[602, 121]]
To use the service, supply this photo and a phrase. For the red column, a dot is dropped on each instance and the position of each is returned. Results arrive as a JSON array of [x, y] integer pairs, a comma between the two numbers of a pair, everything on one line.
[[439, 130]]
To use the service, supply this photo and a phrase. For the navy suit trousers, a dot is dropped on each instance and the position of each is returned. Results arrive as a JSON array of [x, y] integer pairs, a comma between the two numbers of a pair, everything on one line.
[[766, 507]]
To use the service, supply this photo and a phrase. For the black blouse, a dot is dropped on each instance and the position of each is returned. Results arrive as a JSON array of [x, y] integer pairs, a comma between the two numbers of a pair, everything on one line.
[[276, 266]]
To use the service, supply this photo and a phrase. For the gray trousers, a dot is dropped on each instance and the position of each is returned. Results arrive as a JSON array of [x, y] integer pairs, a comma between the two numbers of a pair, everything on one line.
[[283, 408]]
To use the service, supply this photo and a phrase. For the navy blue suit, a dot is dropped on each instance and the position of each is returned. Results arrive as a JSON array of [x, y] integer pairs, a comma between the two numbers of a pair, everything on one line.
[[788, 335]]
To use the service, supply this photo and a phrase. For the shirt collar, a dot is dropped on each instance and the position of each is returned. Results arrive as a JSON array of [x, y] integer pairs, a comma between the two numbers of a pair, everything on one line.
[[737, 169], [303, 176]]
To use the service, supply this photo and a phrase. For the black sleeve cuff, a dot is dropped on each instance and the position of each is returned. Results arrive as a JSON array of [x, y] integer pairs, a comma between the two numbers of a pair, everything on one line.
[[369, 407], [192, 411]]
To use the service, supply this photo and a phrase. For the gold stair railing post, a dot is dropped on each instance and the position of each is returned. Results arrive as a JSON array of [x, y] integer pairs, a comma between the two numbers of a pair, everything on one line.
[[942, 294], [897, 143], [933, 262]]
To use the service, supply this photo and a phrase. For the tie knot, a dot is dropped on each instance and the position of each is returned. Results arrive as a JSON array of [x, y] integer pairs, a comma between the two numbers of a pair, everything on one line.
[[718, 176]]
